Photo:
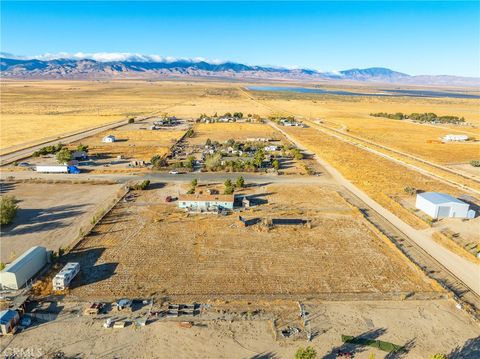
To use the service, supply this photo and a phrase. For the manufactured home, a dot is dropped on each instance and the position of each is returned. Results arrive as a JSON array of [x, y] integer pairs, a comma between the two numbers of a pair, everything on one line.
[[206, 202]]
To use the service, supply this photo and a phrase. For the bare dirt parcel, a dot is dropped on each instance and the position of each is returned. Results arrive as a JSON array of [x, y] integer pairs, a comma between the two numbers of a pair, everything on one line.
[[147, 247]]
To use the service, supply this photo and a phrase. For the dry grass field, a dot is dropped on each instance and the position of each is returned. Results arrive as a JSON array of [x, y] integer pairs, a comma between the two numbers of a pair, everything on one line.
[[32, 111], [352, 114], [133, 144], [148, 248], [380, 178]]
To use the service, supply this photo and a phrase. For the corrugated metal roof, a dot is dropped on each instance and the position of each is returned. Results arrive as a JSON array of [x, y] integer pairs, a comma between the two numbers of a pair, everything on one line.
[[207, 197], [439, 198], [18, 263]]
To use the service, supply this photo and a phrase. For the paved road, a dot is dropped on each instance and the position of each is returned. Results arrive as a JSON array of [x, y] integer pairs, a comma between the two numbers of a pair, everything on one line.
[[27, 152], [159, 177], [468, 272]]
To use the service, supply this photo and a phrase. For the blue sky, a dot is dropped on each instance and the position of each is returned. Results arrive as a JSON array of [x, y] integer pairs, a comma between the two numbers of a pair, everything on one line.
[[413, 37]]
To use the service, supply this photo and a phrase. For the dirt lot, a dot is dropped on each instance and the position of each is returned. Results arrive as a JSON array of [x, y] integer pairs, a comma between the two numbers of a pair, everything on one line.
[[49, 215], [426, 327], [148, 247]]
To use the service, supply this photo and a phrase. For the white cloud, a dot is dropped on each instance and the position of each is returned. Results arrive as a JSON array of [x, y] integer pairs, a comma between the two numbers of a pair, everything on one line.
[[110, 56]]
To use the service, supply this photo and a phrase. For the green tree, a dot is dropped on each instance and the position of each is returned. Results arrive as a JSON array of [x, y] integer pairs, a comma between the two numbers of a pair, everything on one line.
[[194, 183], [208, 142], [212, 162], [306, 353], [437, 356], [82, 148], [190, 161], [158, 161], [240, 182], [276, 165], [229, 189], [8, 209], [64, 155]]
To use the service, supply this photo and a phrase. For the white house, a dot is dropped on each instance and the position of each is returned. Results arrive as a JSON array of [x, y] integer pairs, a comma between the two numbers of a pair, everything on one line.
[[63, 278], [206, 202], [455, 138], [108, 139], [270, 148], [441, 205]]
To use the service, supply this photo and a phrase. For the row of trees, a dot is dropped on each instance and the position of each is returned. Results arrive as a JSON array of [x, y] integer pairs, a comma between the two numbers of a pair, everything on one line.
[[420, 117], [229, 185]]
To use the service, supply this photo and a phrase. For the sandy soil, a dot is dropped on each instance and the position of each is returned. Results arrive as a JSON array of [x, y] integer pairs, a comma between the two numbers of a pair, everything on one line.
[[426, 327], [50, 215], [147, 247]]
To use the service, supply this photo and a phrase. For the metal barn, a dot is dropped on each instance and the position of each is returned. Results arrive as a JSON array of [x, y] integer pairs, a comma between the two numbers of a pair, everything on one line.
[[22, 269], [441, 205]]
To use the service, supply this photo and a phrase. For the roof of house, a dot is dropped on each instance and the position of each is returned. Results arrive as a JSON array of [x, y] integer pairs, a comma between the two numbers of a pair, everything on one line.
[[207, 197], [18, 263], [439, 198]]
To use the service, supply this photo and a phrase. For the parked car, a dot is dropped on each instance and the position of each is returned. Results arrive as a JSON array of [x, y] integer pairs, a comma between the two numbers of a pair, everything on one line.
[[24, 164], [174, 172]]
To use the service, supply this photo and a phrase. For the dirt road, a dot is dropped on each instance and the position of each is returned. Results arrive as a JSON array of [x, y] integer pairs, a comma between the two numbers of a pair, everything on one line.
[[466, 271]]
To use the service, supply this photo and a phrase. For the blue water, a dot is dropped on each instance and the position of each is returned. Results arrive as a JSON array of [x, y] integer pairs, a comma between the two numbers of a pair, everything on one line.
[[384, 93]]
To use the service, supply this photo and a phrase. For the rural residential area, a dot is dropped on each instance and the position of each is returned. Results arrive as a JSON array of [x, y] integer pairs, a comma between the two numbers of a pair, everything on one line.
[[160, 207]]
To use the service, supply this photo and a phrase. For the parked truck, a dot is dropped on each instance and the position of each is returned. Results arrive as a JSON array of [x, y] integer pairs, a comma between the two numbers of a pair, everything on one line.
[[58, 169]]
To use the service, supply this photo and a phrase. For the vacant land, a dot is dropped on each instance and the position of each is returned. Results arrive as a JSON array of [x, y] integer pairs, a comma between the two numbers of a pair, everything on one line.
[[49, 215], [380, 178], [352, 114], [32, 111], [133, 144], [426, 327], [150, 248]]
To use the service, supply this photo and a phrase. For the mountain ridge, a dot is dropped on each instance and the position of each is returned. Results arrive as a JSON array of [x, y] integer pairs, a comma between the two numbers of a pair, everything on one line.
[[145, 68]]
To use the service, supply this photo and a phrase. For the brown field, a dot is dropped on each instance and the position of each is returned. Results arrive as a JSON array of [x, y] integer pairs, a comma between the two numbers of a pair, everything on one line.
[[352, 114], [133, 144], [50, 215], [32, 111], [216, 257], [380, 178]]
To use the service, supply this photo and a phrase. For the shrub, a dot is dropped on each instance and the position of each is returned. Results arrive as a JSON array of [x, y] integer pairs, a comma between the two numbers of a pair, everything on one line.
[[8, 209], [64, 155], [2, 266], [82, 148], [141, 185], [190, 133], [306, 353], [437, 356], [475, 163], [276, 165], [412, 191], [131, 120]]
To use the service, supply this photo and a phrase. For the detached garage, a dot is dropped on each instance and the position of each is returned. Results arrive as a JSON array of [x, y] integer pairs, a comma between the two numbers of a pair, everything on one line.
[[441, 205]]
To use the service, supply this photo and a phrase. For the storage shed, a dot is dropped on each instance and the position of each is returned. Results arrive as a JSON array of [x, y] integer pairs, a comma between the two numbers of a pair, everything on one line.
[[441, 205], [22, 269]]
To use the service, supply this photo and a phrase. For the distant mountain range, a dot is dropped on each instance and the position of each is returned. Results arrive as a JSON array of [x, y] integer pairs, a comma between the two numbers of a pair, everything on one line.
[[157, 68]]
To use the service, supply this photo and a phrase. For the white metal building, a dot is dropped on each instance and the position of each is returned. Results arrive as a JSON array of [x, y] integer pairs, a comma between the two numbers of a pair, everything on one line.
[[22, 269], [108, 139], [63, 278], [441, 205], [206, 202], [458, 138]]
